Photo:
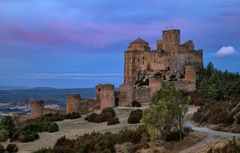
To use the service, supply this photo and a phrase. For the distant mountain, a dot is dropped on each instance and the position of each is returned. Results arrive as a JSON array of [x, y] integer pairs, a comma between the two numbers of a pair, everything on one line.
[[13, 87], [49, 95]]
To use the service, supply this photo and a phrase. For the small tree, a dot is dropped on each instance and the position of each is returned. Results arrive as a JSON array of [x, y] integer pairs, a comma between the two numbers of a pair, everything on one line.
[[167, 111]]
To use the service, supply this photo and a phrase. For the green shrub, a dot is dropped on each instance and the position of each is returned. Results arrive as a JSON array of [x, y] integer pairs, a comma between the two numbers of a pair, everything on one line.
[[42, 151], [8, 124], [100, 143], [61, 149], [91, 117], [106, 114], [53, 118], [12, 148], [26, 136], [109, 110], [73, 115], [135, 116], [3, 135], [53, 128], [2, 148], [113, 121], [136, 104]]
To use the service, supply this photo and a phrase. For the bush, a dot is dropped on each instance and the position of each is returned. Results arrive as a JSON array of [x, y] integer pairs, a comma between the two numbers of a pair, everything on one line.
[[1, 148], [12, 148], [107, 113], [109, 110], [103, 117], [136, 104], [61, 149], [73, 115], [42, 151], [113, 121], [135, 116], [53, 128], [91, 117], [177, 135], [26, 136], [3, 135], [99, 143]]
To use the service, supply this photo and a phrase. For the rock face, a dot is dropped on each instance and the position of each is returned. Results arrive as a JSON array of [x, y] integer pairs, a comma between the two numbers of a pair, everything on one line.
[[37, 108], [146, 69]]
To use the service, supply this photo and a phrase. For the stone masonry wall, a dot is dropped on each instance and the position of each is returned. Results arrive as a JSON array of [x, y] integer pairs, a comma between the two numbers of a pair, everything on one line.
[[37, 107], [105, 95], [73, 103]]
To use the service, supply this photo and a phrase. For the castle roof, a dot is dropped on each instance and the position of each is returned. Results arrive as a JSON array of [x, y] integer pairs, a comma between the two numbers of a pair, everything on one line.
[[139, 40]]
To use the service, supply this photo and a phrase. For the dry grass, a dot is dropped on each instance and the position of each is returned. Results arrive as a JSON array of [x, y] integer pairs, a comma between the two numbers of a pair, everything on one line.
[[174, 147], [74, 128]]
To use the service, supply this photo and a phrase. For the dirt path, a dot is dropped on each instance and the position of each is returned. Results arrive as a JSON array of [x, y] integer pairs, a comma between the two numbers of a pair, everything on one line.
[[213, 136]]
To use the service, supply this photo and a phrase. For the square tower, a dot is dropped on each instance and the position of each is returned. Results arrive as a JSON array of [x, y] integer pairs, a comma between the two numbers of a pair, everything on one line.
[[170, 40]]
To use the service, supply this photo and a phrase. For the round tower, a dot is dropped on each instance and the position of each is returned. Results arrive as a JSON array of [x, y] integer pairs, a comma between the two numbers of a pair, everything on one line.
[[105, 95], [73, 103], [37, 108]]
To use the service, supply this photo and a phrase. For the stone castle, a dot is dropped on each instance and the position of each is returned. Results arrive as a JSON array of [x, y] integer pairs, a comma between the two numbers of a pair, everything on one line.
[[144, 72]]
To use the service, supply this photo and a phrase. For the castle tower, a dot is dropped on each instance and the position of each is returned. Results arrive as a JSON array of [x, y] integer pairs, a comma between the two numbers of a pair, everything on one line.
[[139, 45], [105, 95], [73, 103], [37, 108], [170, 40], [130, 60]]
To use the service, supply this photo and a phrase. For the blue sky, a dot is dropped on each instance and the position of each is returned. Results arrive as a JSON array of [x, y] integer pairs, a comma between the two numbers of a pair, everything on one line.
[[70, 43]]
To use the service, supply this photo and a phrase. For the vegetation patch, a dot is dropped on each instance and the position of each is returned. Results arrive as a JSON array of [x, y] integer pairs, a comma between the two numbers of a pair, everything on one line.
[[113, 121], [165, 116], [232, 146], [28, 131], [100, 143], [136, 104], [11, 148], [135, 116], [106, 114], [220, 93]]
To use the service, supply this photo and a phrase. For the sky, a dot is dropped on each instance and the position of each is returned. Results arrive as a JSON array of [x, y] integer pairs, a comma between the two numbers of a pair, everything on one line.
[[72, 43]]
